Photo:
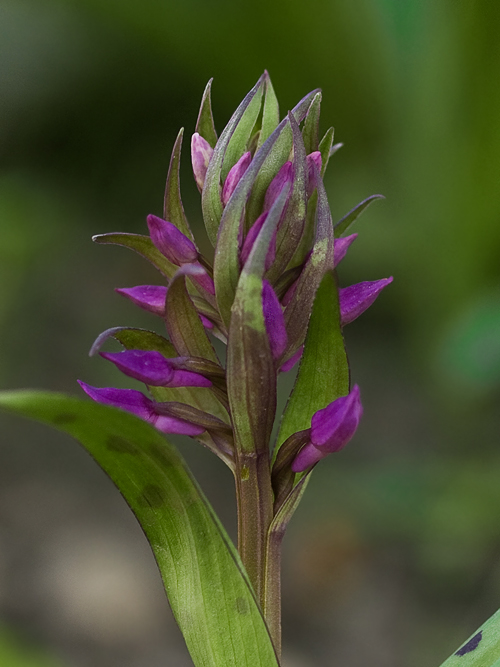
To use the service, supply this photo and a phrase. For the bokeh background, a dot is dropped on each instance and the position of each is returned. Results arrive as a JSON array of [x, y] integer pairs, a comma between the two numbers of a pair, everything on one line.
[[394, 556]]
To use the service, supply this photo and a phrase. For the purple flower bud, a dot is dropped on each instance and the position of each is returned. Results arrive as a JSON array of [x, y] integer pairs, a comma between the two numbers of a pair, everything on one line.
[[154, 369], [135, 402], [288, 365], [171, 242], [149, 297], [234, 176], [341, 247], [274, 320], [331, 429], [282, 178], [250, 239], [201, 152], [206, 322], [313, 162], [355, 299]]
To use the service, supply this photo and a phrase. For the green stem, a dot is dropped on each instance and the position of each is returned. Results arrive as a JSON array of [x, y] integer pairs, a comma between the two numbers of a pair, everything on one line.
[[271, 595], [255, 513]]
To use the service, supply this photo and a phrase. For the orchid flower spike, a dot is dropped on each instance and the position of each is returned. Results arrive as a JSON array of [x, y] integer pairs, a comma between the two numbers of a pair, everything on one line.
[[331, 429]]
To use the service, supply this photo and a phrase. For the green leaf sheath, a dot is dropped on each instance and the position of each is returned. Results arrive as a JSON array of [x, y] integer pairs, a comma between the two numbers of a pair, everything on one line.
[[184, 326], [205, 123], [173, 210], [226, 263], [482, 649], [292, 227], [251, 377], [320, 260], [325, 146], [211, 196], [324, 370], [143, 246], [270, 114], [310, 131], [344, 223], [205, 581]]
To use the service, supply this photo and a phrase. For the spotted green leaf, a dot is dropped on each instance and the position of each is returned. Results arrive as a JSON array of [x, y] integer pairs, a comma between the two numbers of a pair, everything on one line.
[[482, 649], [206, 584]]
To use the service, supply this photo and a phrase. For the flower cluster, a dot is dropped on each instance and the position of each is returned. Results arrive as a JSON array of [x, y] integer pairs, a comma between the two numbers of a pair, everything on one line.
[[266, 213]]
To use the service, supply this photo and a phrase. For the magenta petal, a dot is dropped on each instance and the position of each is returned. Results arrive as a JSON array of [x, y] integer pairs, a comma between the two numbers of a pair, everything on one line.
[[174, 425], [250, 239], [355, 299], [201, 152], [333, 426], [171, 242], [188, 379], [206, 322], [149, 367], [234, 176], [127, 399], [313, 162], [202, 278], [149, 297], [307, 457], [288, 365], [274, 320], [341, 247], [282, 178]]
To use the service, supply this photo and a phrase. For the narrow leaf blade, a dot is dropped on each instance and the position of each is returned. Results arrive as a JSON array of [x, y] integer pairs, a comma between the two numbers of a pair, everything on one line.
[[344, 223], [143, 246], [310, 131], [205, 123], [173, 210], [205, 582]]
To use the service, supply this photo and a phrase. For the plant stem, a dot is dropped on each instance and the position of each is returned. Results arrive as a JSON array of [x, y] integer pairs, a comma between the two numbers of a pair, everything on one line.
[[271, 595], [255, 513]]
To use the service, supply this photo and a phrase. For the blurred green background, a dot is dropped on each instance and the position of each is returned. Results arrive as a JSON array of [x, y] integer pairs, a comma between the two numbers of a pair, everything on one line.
[[394, 557]]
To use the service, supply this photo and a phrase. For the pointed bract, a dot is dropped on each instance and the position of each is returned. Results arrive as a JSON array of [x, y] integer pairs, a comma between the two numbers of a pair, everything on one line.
[[251, 238], [282, 178], [355, 299], [331, 429], [313, 159]]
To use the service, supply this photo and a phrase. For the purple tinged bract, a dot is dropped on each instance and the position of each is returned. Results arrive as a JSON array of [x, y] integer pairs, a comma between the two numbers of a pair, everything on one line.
[[135, 402], [250, 239], [201, 152], [331, 429], [154, 369], [314, 162]]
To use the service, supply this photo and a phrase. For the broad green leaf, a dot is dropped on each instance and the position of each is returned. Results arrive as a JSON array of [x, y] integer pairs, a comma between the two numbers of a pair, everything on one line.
[[184, 326], [325, 146], [292, 226], [205, 123], [482, 649], [310, 131], [344, 223], [211, 196], [227, 262], [324, 371], [275, 159], [238, 143], [205, 582], [173, 210], [141, 245], [270, 114], [319, 261]]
